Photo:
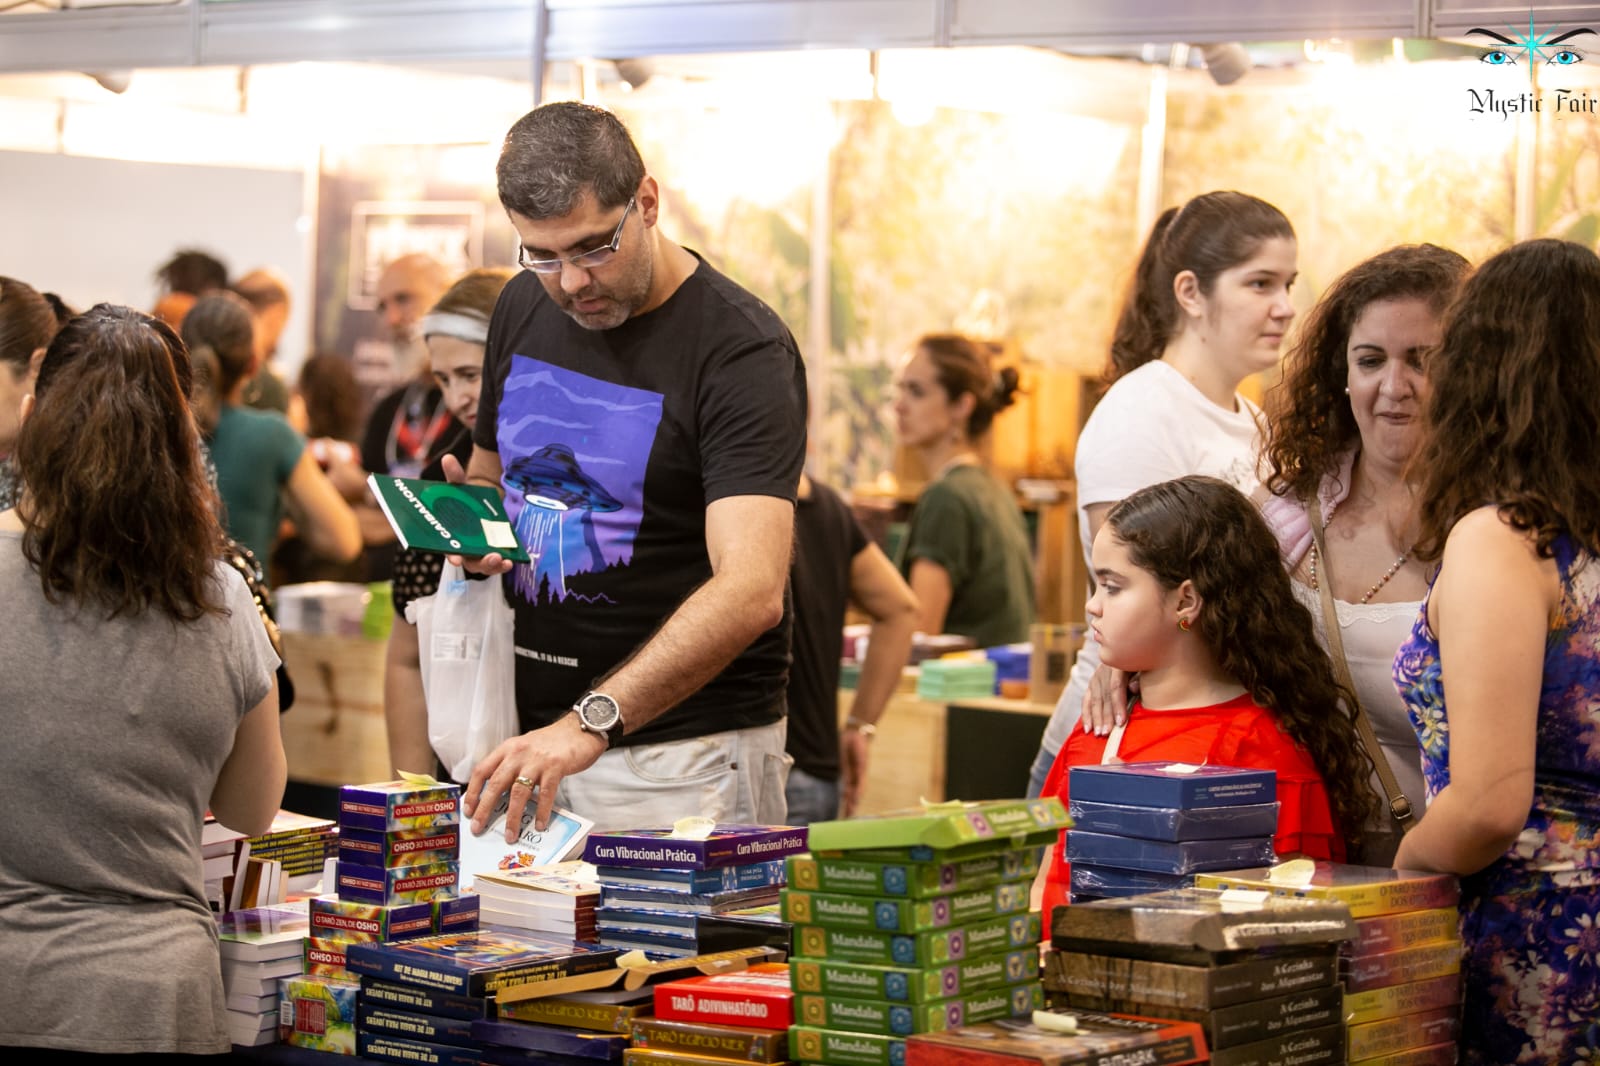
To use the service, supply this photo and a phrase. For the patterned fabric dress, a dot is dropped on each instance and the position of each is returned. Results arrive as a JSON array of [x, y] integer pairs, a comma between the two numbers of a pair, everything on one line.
[[1531, 920]]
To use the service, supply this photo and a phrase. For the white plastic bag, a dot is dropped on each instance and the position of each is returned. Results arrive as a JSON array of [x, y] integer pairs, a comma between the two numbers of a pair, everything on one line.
[[465, 645]]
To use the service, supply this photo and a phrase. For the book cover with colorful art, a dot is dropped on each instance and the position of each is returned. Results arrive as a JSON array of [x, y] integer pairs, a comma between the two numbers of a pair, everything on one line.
[[478, 963]]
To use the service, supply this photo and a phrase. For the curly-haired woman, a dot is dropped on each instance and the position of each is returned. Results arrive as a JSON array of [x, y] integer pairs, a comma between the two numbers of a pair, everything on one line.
[[1501, 673], [1343, 424]]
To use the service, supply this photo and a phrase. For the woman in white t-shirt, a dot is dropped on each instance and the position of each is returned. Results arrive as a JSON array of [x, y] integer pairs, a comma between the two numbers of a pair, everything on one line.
[[1344, 423], [1208, 307]]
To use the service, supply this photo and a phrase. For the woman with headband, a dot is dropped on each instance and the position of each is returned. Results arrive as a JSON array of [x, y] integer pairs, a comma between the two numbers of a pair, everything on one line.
[[455, 331]]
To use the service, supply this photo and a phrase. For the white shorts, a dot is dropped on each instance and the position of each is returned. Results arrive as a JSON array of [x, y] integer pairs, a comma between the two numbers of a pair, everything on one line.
[[735, 777]]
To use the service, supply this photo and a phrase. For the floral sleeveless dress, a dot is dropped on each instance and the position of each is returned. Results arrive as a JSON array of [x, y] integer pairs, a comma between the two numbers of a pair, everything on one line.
[[1531, 920]]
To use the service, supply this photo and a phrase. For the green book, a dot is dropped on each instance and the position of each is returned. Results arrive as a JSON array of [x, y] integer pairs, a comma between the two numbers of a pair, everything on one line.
[[940, 826], [436, 516]]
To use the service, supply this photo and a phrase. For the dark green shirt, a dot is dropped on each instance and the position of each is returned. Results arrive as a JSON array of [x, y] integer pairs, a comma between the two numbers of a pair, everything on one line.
[[970, 524]]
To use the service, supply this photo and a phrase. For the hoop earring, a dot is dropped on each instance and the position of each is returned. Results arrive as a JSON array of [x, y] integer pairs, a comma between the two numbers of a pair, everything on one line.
[[1183, 624]]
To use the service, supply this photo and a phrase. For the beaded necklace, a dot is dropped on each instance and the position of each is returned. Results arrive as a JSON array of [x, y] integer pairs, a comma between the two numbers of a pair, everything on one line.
[[1394, 568]]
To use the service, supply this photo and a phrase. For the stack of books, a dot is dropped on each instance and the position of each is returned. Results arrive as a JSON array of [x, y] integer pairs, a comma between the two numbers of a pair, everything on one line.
[[1257, 973], [398, 872], [433, 999], [259, 946], [914, 922], [659, 1042], [294, 850], [559, 899], [1401, 972], [942, 680], [219, 852], [655, 887], [1150, 827], [1086, 1037]]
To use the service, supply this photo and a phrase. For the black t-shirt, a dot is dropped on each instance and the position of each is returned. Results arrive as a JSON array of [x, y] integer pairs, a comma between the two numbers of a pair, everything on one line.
[[827, 539], [612, 443]]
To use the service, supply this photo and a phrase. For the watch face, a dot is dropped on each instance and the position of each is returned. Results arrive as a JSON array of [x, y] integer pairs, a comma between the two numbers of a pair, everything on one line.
[[599, 712]]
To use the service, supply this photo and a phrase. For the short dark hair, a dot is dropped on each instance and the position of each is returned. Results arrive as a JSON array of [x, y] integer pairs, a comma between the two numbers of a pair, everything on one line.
[[192, 271], [27, 323], [557, 153]]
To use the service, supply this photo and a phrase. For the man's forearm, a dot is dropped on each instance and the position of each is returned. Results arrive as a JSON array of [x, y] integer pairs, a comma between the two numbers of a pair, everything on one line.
[[719, 620]]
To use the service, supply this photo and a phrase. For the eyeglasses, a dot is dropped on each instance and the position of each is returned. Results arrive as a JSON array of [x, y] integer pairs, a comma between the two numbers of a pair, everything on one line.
[[583, 260]]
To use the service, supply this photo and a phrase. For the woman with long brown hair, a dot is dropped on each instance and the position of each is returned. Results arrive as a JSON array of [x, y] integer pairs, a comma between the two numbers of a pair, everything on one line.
[[138, 693], [1501, 673]]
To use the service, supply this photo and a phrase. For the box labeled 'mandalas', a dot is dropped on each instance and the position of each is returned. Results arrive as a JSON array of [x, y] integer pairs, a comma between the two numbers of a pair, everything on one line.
[[931, 948], [907, 984], [944, 825], [916, 880], [835, 1047], [843, 911], [903, 1019]]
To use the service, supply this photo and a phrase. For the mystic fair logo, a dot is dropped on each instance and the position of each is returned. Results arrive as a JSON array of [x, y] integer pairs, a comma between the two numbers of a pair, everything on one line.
[[1532, 50]]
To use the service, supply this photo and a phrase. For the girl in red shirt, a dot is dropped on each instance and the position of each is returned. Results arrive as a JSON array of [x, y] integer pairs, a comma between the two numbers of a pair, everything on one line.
[[1191, 596]]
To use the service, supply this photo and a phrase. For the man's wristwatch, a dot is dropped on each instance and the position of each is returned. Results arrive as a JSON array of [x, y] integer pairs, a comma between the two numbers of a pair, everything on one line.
[[599, 714]]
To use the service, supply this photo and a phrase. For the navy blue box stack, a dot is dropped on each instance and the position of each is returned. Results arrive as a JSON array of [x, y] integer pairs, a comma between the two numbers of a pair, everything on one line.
[[1150, 827], [656, 889]]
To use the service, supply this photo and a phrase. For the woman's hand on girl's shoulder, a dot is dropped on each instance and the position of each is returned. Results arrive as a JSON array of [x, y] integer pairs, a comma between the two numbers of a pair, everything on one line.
[[1105, 702]]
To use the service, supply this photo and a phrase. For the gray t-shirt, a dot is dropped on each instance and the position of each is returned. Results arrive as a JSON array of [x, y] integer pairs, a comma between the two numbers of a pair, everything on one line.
[[114, 733]]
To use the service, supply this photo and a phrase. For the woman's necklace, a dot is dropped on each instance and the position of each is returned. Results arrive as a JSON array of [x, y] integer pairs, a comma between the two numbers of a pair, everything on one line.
[[965, 458], [1394, 568]]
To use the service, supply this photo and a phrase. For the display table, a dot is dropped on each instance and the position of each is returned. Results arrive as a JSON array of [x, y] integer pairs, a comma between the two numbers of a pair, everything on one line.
[[966, 749]]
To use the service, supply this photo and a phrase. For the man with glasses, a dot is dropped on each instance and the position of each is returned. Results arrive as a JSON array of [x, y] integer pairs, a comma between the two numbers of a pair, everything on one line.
[[644, 418]]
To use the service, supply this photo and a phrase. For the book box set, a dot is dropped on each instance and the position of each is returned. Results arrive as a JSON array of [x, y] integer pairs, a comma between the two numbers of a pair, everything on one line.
[[658, 892], [1401, 971], [1150, 827], [913, 923]]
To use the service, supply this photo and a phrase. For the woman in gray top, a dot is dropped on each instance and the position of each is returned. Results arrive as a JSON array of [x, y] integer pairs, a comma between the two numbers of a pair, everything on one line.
[[137, 692]]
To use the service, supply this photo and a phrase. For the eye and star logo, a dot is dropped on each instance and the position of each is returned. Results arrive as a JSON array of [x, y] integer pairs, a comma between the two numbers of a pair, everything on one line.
[[1532, 50]]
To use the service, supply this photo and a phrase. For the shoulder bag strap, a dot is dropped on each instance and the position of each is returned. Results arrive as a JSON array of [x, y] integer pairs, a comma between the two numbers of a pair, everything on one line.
[[1399, 806]]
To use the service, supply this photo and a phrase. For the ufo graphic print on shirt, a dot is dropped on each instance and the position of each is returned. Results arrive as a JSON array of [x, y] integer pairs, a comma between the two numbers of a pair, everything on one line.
[[577, 449]]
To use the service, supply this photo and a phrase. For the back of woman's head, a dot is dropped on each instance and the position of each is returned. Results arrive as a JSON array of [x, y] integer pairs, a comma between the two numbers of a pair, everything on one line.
[[962, 367], [1203, 530], [332, 397], [1213, 232], [1516, 398], [222, 325], [1312, 423], [116, 509], [474, 293], [27, 322]]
